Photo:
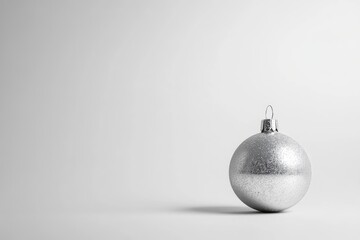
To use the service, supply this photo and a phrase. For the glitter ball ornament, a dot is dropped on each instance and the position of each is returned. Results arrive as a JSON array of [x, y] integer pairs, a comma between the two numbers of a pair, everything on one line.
[[269, 171]]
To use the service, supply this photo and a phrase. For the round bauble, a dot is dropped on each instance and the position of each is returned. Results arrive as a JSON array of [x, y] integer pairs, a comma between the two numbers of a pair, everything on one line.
[[269, 171]]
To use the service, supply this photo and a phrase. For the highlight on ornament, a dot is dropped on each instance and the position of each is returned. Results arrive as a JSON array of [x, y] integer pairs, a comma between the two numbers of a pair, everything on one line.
[[269, 171]]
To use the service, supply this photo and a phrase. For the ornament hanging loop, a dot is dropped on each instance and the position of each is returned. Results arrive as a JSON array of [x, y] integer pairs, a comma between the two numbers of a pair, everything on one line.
[[272, 112], [269, 125]]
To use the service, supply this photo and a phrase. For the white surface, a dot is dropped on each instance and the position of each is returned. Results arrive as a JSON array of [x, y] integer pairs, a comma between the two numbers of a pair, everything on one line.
[[186, 222], [111, 107]]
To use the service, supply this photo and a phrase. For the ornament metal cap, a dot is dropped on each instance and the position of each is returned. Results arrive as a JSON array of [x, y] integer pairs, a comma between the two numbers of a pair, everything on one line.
[[269, 125]]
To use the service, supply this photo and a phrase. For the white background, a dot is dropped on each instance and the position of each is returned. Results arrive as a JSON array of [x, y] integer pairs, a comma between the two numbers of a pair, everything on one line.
[[118, 119]]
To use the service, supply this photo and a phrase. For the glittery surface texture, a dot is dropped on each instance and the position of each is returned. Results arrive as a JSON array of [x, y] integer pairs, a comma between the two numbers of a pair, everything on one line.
[[270, 172]]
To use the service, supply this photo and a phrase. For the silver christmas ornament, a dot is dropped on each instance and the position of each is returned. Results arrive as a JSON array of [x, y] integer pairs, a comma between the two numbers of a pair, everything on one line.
[[269, 171]]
